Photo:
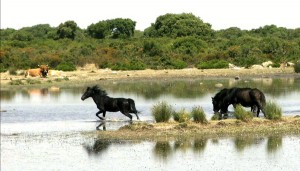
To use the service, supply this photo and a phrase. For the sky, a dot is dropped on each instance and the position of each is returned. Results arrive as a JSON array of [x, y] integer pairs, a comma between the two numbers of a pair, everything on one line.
[[221, 14]]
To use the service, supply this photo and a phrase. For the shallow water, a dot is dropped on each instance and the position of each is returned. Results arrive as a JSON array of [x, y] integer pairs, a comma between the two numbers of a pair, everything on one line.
[[77, 152], [41, 129], [64, 104]]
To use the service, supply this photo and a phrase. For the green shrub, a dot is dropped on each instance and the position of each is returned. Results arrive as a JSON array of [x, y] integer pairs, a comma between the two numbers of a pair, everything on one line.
[[2, 68], [181, 116], [66, 67], [12, 71], [241, 114], [297, 67], [213, 64], [272, 111], [198, 115], [179, 64], [162, 112]]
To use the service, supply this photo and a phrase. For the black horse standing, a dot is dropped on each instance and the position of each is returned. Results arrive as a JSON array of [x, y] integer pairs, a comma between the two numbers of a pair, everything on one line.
[[247, 97], [105, 103]]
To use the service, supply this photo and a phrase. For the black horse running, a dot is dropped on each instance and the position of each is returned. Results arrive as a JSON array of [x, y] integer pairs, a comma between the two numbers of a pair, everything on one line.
[[105, 103], [247, 97]]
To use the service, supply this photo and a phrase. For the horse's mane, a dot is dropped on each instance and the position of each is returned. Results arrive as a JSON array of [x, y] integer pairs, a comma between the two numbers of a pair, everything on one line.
[[99, 91], [221, 94]]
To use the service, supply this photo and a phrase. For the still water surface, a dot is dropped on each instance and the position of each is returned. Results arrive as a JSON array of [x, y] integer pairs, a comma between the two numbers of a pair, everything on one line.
[[41, 129]]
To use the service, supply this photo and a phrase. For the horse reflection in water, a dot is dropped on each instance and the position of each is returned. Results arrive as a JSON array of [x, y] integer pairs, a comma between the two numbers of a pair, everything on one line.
[[103, 125], [99, 146], [105, 103]]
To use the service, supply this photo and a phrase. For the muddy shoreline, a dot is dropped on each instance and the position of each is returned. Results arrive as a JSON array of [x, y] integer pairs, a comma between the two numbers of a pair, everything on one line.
[[214, 129]]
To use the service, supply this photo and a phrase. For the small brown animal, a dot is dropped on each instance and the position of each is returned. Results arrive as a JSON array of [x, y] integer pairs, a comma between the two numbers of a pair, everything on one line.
[[42, 71]]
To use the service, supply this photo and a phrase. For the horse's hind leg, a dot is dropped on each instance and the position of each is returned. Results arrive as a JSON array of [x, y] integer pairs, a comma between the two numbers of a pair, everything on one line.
[[127, 114], [137, 116]]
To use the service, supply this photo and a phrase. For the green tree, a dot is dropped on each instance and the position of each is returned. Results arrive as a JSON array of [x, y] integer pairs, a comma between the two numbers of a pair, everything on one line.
[[67, 30], [231, 33], [121, 28], [99, 30], [179, 25]]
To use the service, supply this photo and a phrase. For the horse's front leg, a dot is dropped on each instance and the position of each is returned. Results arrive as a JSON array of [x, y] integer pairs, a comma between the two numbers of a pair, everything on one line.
[[97, 114]]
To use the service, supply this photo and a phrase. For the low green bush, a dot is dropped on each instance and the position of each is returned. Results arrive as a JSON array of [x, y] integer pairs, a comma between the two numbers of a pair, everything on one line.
[[162, 112], [213, 64], [181, 116], [297, 67], [199, 115], [12, 71], [272, 111], [241, 114], [66, 67]]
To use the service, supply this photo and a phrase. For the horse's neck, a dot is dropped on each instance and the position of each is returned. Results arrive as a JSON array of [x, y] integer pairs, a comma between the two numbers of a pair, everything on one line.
[[98, 99]]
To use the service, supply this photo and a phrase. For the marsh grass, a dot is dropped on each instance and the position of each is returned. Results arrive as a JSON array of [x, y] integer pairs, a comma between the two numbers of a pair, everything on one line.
[[58, 79], [243, 115], [215, 117], [16, 82], [181, 116], [162, 111], [33, 81], [198, 115], [272, 111]]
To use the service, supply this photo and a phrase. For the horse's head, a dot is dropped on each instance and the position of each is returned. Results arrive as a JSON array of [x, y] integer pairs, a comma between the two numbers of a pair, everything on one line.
[[88, 93], [44, 70], [216, 104]]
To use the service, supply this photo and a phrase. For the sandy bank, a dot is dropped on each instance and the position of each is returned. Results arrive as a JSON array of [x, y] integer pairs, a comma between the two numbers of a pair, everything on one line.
[[229, 127], [87, 75]]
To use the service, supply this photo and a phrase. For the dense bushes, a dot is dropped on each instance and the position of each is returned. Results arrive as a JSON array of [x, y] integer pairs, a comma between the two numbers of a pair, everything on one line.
[[297, 67], [174, 41]]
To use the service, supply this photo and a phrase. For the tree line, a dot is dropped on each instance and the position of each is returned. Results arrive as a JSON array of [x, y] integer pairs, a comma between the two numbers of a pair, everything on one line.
[[172, 41]]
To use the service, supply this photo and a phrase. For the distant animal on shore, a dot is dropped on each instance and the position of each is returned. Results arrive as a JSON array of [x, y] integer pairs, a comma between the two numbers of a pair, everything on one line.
[[105, 103], [55, 73], [247, 97], [42, 71]]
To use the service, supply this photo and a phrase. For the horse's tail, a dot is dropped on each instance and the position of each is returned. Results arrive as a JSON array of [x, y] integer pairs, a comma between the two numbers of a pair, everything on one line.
[[263, 99], [132, 106]]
